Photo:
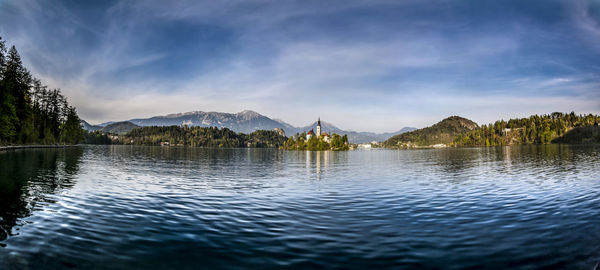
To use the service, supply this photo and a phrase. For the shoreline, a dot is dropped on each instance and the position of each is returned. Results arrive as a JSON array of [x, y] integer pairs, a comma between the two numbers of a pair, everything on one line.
[[483, 146], [17, 147]]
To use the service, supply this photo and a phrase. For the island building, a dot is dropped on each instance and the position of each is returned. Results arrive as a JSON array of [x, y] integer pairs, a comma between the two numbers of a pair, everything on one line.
[[319, 127], [325, 137], [311, 133]]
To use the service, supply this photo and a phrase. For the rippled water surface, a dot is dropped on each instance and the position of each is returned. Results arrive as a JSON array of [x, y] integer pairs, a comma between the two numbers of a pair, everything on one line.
[[189, 208]]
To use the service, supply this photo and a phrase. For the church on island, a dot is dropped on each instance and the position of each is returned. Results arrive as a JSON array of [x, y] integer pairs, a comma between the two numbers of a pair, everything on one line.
[[317, 141], [311, 133]]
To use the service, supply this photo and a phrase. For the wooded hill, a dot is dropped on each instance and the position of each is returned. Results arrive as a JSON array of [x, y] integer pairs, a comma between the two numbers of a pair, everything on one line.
[[30, 113], [119, 128], [200, 137], [536, 129], [444, 132]]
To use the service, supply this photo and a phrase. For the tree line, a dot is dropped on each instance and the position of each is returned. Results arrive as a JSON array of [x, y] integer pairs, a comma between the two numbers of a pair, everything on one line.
[[536, 129], [199, 137], [30, 112]]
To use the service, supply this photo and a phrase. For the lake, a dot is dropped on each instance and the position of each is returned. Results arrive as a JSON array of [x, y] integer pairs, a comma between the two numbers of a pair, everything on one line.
[[114, 207]]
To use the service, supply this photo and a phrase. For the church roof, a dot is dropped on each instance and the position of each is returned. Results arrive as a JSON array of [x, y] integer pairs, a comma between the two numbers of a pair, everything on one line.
[[325, 134], [310, 132]]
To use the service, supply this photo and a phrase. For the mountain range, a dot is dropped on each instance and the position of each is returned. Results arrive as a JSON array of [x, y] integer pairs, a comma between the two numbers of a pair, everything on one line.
[[245, 121]]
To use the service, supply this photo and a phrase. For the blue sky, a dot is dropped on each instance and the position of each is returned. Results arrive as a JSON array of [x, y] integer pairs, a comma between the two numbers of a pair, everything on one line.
[[362, 65]]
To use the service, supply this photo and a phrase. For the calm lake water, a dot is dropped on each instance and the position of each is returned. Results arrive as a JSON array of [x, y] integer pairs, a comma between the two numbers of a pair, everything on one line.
[[189, 208]]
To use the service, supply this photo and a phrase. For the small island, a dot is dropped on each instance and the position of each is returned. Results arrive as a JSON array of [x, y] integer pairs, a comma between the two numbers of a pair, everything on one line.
[[318, 141]]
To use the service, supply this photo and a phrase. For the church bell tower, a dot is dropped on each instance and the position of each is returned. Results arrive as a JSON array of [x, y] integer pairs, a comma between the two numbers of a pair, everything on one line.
[[319, 128]]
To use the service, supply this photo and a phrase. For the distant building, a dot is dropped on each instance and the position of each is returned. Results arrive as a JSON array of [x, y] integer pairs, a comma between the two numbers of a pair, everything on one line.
[[319, 128], [309, 134], [326, 137], [187, 123], [365, 146], [508, 130], [280, 131]]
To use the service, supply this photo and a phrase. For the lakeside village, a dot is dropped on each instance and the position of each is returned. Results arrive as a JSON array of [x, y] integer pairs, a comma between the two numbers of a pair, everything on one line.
[[317, 141]]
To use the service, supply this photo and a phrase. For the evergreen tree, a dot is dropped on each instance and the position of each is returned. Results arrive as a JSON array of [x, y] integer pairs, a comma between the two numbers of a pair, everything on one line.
[[17, 79], [29, 113], [8, 112], [72, 133]]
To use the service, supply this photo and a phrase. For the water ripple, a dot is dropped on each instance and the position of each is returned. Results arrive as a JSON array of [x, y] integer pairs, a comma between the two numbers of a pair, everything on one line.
[[151, 207]]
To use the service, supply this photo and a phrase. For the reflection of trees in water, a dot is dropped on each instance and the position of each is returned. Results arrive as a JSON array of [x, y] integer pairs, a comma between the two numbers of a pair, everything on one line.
[[28, 176], [510, 160], [212, 168], [456, 160], [559, 157]]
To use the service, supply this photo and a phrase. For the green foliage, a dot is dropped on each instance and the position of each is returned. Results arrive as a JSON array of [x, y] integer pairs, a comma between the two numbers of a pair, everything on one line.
[[29, 112], [299, 142], [201, 137], [578, 135], [264, 138], [120, 128], [536, 129], [72, 131], [443, 132], [96, 137]]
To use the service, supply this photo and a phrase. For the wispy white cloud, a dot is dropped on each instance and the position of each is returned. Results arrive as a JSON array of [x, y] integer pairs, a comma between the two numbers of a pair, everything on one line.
[[581, 12], [555, 81]]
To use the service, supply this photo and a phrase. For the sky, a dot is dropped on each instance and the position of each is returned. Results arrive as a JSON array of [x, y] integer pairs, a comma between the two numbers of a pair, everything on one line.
[[361, 65]]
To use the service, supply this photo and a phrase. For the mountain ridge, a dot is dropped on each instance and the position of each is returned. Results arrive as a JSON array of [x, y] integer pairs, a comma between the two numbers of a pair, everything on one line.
[[120, 128], [89, 127]]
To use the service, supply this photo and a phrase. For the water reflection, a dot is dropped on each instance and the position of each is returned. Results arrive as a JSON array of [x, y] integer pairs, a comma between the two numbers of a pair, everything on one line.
[[454, 161], [176, 208], [28, 177], [219, 163], [320, 163]]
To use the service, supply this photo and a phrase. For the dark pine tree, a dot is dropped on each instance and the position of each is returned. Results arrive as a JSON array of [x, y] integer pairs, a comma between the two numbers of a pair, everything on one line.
[[29, 112]]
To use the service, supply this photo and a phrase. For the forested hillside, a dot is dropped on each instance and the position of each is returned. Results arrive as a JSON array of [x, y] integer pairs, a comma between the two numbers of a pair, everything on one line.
[[201, 136], [536, 129], [119, 128], [443, 132], [30, 113]]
